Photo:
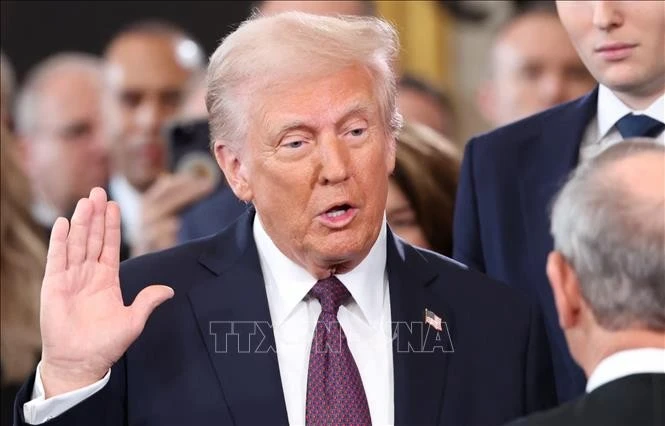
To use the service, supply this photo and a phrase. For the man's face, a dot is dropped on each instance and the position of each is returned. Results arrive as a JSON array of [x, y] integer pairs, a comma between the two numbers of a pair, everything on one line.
[[317, 162], [146, 82], [535, 68], [421, 108], [622, 43], [67, 152]]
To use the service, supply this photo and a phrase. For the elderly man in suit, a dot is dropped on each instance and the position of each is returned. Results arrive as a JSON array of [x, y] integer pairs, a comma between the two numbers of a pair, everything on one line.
[[510, 175], [307, 310], [608, 276]]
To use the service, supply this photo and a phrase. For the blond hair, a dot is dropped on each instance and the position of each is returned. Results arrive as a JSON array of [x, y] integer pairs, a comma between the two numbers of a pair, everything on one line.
[[285, 48], [22, 260]]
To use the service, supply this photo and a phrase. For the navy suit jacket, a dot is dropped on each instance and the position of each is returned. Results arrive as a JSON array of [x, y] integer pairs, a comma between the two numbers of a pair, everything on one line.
[[501, 226], [176, 372], [210, 215]]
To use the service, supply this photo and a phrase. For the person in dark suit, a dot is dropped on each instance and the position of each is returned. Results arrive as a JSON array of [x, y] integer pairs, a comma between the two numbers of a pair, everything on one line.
[[510, 175], [608, 277], [307, 310]]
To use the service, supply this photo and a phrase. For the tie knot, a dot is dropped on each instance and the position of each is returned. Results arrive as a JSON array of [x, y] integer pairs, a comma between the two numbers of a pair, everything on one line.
[[331, 293], [633, 126]]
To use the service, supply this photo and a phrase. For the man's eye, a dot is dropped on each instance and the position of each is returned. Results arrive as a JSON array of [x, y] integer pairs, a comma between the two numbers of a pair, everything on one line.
[[294, 144], [358, 132]]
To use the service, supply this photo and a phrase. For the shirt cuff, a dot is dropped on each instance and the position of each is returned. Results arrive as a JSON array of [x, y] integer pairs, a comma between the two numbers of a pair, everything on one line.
[[40, 410]]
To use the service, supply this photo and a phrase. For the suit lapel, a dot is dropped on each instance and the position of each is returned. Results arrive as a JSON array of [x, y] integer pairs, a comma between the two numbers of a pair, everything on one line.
[[419, 376], [547, 163], [236, 297]]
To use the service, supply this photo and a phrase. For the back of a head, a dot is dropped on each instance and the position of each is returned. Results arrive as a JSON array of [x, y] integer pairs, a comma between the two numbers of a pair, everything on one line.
[[281, 50], [59, 65], [609, 223], [426, 171]]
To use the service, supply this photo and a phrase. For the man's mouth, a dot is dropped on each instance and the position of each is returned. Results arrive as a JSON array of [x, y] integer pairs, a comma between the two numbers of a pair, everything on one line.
[[338, 216]]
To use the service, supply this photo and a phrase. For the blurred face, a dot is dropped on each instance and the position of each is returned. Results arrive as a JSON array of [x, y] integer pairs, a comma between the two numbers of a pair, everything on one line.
[[421, 108], [535, 67], [314, 7], [402, 218], [622, 43], [67, 153], [316, 166], [146, 82]]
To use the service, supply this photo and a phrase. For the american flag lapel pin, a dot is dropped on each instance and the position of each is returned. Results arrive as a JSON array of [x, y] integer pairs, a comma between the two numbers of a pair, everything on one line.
[[433, 319]]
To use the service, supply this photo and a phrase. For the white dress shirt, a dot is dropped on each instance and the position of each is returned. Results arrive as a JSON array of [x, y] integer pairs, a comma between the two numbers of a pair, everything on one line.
[[366, 321], [626, 363], [602, 133], [129, 200], [44, 213]]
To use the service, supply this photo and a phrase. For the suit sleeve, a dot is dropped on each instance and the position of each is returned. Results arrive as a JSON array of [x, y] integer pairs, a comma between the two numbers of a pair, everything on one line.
[[467, 244], [107, 407], [540, 388]]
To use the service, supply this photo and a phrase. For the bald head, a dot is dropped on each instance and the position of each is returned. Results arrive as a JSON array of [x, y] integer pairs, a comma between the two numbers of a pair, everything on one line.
[[609, 223], [149, 68], [641, 176], [533, 67], [361, 8]]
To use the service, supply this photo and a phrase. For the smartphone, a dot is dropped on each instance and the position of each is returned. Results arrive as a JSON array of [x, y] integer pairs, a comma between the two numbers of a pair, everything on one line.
[[189, 149]]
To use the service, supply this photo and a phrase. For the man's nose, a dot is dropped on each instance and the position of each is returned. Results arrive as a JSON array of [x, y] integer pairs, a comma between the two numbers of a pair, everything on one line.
[[335, 160], [606, 15], [148, 117]]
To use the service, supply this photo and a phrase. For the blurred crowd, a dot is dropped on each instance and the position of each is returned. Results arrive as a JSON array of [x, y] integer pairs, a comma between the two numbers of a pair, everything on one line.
[[134, 121]]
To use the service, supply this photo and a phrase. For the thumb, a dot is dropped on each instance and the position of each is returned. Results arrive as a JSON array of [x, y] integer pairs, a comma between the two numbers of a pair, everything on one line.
[[146, 302]]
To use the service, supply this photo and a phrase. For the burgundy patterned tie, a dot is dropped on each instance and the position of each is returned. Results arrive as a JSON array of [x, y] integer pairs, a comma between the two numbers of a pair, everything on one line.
[[335, 392]]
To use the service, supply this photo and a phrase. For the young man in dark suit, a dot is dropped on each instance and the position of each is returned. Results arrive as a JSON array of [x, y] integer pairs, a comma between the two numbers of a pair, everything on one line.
[[510, 175], [608, 276]]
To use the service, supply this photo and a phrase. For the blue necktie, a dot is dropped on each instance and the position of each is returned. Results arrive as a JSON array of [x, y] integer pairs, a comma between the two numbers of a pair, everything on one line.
[[633, 126]]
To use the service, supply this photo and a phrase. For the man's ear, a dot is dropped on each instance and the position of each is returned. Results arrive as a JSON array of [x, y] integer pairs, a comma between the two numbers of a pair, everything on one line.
[[235, 170], [565, 286], [486, 101]]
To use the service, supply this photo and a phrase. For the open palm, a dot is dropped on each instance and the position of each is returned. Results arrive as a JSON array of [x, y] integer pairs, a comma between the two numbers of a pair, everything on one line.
[[85, 325]]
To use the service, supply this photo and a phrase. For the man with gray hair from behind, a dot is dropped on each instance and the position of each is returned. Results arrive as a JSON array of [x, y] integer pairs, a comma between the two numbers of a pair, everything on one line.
[[607, 272]]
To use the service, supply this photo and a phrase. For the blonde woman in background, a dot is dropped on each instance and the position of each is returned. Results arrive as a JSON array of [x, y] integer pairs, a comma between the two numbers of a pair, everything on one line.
[[22, 259]]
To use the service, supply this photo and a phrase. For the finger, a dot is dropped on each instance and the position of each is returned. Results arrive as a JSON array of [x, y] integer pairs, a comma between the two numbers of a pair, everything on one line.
[[179, 198], [96, 233], [160, 189], [168, 185], [78, 232], [56, 258], [110, 255], [146, 302]]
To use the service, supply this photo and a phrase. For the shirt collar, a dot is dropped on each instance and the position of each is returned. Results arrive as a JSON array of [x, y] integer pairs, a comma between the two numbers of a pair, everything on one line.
[[44, 213], [611, 109], [626, 363], [129, 200], [292, 282]]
